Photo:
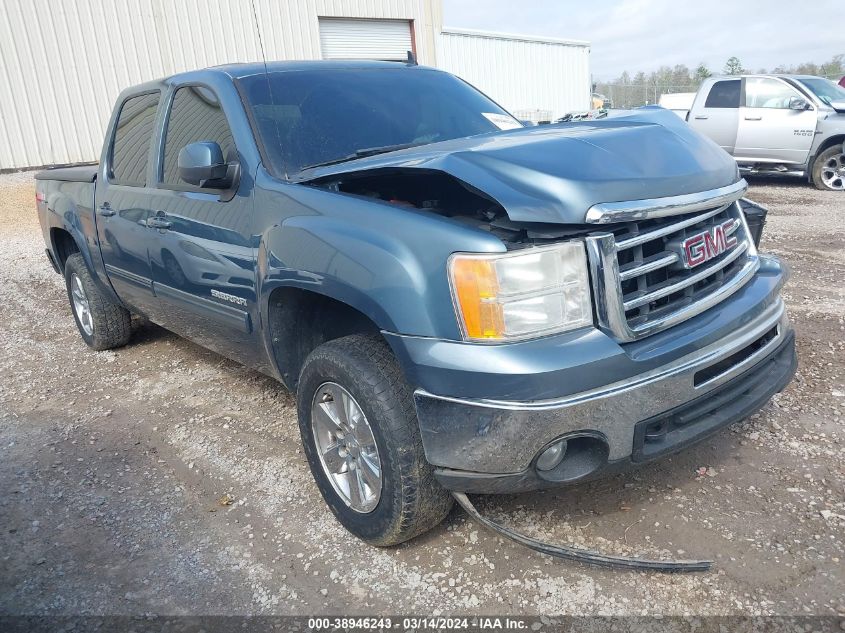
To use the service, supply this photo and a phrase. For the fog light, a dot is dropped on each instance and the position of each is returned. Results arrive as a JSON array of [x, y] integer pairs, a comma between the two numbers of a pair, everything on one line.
[[551, 457]]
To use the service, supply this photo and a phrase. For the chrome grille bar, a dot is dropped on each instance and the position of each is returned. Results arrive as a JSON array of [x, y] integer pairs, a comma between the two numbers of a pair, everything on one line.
[[687, 312], [667, 290], [648, 266], [642, 238], [613, 212]]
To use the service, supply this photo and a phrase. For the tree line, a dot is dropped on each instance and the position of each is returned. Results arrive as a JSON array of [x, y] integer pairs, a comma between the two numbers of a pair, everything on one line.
[[641, 88]]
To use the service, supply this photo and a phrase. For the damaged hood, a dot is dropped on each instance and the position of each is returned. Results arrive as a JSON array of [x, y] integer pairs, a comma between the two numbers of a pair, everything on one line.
[[555, 173]]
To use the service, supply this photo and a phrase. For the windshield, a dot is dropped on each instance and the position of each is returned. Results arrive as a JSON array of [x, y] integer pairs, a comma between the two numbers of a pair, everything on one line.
[[824, 89], [310, 117]]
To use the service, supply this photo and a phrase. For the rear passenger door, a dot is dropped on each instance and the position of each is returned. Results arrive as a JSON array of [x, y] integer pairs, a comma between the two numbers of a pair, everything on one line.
[[718, 117], [202, 256], [122, 202]]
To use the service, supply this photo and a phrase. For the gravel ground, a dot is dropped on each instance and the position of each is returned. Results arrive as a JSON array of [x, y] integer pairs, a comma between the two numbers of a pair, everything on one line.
[[113, 466]]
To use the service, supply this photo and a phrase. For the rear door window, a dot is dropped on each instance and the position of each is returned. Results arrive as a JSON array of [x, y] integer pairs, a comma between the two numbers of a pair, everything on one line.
[[130, 152], [724, 94], [195, 116]]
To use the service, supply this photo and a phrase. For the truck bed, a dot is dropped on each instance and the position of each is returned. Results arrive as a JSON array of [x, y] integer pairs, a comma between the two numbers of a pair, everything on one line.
[[81, 173]]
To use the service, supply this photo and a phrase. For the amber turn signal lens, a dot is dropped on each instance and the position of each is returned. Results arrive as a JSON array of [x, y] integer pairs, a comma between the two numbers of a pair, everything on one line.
[[476, 286]]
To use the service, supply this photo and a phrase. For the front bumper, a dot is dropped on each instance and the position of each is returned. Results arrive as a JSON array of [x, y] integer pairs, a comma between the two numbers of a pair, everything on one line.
[[680, 386], [651, 438]]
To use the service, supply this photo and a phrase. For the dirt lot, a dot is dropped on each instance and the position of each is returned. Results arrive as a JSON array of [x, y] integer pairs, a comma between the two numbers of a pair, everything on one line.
[[112, 465]]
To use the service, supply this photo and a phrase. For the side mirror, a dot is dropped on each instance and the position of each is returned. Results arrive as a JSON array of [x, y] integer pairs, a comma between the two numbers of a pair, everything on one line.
[[797, 103], [202, 164]]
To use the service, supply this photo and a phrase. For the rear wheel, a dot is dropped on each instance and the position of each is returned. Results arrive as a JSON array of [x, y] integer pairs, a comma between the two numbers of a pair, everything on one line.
[[829, 169], [101, 323], [362, 441]]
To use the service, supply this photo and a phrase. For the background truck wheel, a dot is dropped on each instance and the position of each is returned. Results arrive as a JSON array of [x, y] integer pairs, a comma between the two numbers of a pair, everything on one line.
[[101, 323], [362, 441], [829, 169]]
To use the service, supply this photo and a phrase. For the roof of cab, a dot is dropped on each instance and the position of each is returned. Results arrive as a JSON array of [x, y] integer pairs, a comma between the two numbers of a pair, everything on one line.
[[773, 75], [237, 71]]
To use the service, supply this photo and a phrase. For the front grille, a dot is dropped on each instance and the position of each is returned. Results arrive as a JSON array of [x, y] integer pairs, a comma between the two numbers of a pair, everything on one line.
[[653, 281], [642, 280]]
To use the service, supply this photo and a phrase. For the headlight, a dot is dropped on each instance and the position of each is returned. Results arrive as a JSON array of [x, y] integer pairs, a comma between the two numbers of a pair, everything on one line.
[[517, 295]]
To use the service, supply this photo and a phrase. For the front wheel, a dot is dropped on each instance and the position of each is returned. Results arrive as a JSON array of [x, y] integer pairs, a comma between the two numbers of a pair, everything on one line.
[[362, 441], [829, 169]]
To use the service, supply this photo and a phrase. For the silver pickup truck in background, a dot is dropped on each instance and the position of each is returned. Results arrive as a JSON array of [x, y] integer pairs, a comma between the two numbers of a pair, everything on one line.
[[789, 124]]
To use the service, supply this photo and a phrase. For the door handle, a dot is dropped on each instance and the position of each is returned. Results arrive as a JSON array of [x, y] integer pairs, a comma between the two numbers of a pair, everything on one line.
[[753, 118], [158, 221], [701, 117], [105, 210]]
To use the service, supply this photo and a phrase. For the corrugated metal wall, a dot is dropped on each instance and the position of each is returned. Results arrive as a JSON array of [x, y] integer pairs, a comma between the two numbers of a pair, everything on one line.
[[532, 78], [63, 62]]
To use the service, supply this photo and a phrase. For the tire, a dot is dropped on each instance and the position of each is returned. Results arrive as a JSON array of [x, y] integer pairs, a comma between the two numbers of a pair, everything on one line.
[[411, 501], [105, 325], [835, 172]]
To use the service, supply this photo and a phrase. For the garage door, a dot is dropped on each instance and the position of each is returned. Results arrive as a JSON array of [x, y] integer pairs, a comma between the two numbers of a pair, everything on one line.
[[365, 39]]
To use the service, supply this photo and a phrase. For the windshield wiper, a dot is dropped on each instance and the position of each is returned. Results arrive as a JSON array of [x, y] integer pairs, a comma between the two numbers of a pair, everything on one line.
[[363, 153]]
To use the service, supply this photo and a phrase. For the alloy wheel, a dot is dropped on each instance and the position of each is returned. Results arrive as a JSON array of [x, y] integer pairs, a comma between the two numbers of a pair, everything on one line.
[[833, 172], [80, 305], [346, 447]]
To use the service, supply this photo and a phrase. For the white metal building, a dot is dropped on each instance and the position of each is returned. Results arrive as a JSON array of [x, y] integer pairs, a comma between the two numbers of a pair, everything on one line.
[[63, 62], [536, 79]]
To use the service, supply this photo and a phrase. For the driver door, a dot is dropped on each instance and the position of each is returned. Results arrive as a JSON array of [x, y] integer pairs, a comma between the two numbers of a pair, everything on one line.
[[769, 130], [201, 253]]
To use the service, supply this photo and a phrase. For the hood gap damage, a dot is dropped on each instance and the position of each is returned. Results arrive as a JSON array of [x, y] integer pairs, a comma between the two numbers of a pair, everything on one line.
[[438, 192]]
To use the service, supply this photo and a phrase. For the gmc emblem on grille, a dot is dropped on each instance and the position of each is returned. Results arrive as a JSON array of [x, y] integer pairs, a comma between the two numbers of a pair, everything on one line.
[[704, 246]]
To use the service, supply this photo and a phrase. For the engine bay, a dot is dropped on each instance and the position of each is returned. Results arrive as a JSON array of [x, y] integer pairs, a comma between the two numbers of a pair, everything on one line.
[[440, 193]]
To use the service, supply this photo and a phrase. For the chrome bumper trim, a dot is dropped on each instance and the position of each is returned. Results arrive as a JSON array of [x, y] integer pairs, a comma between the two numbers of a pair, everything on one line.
[[499, 436], [689, 364]]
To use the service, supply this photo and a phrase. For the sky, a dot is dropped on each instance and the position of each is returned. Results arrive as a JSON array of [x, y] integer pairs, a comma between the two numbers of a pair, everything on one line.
[[643, 35]]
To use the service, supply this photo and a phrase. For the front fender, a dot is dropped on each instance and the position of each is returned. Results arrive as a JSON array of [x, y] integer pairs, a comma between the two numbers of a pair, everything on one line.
[[387, 262], [379, 277], [830, 130]]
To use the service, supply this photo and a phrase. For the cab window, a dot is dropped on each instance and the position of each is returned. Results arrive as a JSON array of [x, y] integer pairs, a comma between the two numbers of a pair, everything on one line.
[[724, 94], [195, 116], [762, 92], [130, 152]]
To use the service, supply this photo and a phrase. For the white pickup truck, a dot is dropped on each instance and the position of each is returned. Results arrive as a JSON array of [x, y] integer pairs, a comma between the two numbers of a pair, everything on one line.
[[790, 124]]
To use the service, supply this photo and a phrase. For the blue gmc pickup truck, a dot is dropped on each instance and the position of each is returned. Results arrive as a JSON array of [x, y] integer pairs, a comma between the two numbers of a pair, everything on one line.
[[459, 303]]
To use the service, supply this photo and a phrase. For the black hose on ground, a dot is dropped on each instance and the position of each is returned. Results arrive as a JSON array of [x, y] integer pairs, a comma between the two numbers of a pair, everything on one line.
[[582, 555]]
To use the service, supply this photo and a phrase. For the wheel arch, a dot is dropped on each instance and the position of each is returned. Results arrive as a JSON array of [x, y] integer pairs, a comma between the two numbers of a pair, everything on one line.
[[831, 141], [65, 240], [63, 245], [299, 320], [836, 139]]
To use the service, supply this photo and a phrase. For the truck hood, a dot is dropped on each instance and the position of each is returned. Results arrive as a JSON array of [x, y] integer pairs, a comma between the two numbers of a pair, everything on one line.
[[555, 173], [839, 106]]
